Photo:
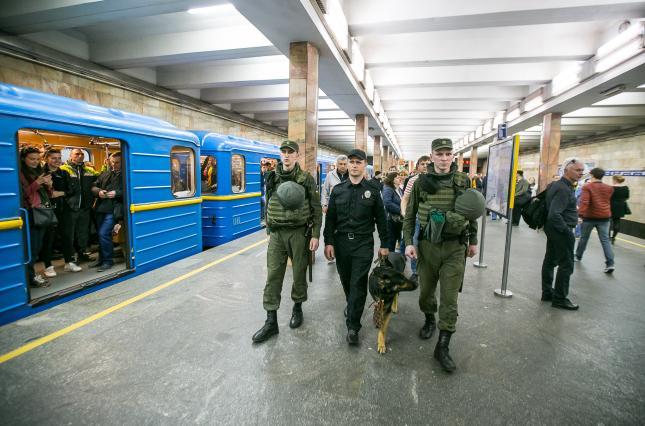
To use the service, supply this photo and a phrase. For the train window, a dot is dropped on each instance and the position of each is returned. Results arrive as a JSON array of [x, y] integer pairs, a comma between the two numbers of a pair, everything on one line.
[[208, 174], [182, 166], [238, 166]]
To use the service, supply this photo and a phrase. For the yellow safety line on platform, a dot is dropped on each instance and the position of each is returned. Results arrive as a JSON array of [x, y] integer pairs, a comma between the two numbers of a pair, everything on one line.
[[231, 197], [53, 336], [6, 225], [631, 242], [163, 205]]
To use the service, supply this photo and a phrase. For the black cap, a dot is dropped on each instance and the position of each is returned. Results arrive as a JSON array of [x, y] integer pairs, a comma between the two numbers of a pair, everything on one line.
[[359, 153]]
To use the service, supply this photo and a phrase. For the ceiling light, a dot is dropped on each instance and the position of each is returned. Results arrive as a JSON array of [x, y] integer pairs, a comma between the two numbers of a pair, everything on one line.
[[337, 22], [621, 55], [565, 80], [633, 31], [369, 85], [533, 103], [212, 9], [513, 113], [357, 61]]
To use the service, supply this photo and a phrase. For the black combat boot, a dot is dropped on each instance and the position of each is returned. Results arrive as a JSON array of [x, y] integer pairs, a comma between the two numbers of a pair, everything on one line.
[[441, 352], [428, 328], [296, 316], [269, 329]]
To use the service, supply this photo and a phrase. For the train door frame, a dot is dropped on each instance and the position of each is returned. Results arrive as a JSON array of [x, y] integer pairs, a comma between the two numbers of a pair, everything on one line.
[[127, 268]]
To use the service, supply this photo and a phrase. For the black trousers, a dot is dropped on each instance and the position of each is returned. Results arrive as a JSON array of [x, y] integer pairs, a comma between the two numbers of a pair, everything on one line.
[[559, 252], [353, 261], [393, 233], [520, 203], [75, 228]]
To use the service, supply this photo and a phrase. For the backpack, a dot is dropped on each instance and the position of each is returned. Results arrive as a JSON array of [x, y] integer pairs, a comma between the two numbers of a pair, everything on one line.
[[535, 212]]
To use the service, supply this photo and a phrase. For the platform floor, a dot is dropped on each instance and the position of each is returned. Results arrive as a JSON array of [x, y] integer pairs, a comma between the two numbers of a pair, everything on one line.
[[183, 355]]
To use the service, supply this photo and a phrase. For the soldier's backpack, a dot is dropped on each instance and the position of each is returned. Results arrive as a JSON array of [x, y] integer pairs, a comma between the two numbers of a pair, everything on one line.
[[535, 212]]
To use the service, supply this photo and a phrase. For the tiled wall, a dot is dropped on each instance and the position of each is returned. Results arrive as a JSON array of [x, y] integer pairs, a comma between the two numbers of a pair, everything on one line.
[[624, 153]]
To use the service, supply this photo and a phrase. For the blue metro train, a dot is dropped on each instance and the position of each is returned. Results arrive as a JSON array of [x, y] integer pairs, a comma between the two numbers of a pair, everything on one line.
[[182, 190]]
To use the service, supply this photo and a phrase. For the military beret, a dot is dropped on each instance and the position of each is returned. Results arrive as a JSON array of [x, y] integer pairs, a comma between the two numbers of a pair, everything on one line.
[[442, 143]]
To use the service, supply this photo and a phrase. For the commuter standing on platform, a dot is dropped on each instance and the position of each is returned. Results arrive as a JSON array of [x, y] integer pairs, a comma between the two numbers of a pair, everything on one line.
[[354, 207], [294, 217], [441, 254], [334, 177], [619, 206], [562, 217], [595, 211], [522, 197]]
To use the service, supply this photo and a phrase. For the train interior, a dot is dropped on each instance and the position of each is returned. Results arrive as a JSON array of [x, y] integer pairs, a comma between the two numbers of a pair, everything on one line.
[[96, 150]]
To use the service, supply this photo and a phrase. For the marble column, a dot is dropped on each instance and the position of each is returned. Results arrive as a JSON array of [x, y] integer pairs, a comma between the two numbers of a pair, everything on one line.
[[376, 159], [473, 160], [360, 134], [303, 102], [460, 162], [385, 161], [549, 149]]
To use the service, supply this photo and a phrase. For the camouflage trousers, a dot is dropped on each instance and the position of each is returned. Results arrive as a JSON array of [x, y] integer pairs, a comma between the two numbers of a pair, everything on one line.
[[286, 243], [444, 263]]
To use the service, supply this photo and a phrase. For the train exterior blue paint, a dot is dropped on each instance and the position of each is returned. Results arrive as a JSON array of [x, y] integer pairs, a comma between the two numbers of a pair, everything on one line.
[[231, 212], [161, 228]]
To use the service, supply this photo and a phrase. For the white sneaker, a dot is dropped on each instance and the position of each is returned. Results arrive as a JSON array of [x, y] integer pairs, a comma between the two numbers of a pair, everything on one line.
[[49, 272], [609, 269], [72, 267], [39, 281]]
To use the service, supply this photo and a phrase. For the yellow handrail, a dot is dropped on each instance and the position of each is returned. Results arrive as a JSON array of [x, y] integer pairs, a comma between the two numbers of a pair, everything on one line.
[[5, 225], [231, 197], [163, 205]]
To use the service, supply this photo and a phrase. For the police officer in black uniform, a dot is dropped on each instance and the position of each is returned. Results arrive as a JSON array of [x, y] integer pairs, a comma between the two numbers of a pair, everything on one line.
[[354, 206]]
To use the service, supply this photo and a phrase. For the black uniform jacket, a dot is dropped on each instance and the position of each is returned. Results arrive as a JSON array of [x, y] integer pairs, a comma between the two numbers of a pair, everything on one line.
[[354, 209]]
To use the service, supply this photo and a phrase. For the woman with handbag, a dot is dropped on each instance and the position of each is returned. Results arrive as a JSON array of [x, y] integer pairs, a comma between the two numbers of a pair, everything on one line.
[[619, 206], [392, 202], [36, 190]]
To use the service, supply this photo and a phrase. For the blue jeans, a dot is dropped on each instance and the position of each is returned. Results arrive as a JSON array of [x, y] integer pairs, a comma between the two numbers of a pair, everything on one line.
[[105, 226], [602, 226], [415, 242]]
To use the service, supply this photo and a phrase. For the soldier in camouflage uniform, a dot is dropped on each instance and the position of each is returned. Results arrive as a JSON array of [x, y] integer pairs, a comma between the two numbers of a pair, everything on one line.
[[287, 221], [445, 239]]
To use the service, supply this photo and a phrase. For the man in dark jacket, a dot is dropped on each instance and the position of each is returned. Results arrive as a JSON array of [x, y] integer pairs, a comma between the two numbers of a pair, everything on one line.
[[562, 217], [79, 204], [108, 189]]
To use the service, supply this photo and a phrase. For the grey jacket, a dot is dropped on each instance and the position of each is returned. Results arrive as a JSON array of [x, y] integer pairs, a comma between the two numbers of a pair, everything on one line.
[[331, 180]]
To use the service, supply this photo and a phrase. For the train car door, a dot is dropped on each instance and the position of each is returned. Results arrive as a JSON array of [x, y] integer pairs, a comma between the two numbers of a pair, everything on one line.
[[14, 229], [71, 252]]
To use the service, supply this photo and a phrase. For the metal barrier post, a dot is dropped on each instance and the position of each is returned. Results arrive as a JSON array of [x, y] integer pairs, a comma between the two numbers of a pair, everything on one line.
[[503, 291], [480, 263]]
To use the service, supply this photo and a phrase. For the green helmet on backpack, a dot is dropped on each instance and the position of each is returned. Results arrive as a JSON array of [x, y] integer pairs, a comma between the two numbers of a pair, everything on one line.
[[471, 204], [290, 195]]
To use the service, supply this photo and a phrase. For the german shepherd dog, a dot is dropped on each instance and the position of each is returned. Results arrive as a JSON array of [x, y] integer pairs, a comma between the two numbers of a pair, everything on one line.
[[385, 282]]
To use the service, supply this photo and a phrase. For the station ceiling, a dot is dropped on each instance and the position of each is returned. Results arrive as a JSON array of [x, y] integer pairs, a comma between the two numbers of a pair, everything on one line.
[[441, 69]]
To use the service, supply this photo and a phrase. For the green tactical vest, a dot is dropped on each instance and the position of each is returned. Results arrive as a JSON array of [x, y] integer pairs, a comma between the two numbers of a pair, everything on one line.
[[444, 200], [277, 215]]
